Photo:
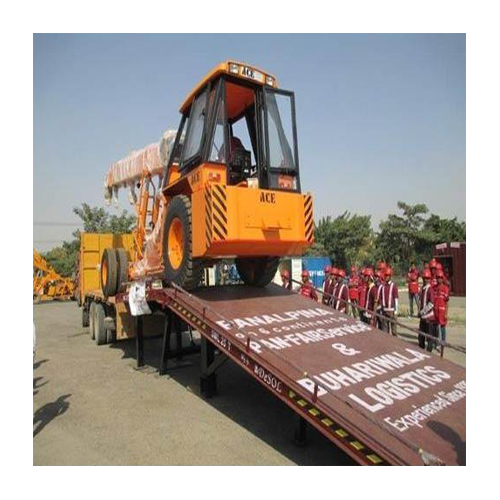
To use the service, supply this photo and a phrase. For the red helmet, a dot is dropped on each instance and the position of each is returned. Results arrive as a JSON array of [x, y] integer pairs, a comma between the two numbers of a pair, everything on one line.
[[388, 271], [285, 273], [439, 273], [433, 263], [328, 269], [305, 273], [368, 271], [341, 273], [426, 274], [334, 271]]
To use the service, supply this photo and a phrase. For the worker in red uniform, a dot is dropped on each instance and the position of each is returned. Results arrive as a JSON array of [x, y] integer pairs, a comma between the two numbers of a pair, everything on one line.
[[413, 288], [340, 293], [441, 298], [286, 282], [379, 286], [372, 298], [426, 311], [326, 284], [439, 267], [364, 295], [333, 282], [306, 289], [390, 299], [362, 289], [353, 285], [433, 268]]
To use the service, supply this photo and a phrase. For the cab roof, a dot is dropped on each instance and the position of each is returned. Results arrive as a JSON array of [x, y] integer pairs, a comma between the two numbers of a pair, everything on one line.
[[229, 68]]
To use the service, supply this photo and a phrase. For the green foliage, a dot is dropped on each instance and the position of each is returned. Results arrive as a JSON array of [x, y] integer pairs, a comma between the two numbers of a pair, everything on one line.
[[64, 259], [97, 220], [347, 239], [403, 237], [316, 250], [400, 234]]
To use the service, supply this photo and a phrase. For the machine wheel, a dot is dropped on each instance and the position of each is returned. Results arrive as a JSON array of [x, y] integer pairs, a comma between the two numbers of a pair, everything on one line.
[[257, 271], [122, 258], [99, 328], [85, 317], [180, 267], [92, 319], [109, 272]]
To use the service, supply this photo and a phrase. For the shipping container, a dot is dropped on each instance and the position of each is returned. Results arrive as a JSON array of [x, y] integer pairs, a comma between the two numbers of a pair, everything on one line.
[[452, 256]]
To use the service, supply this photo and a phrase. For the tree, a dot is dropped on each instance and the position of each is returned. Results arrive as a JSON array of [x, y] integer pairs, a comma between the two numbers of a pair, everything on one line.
[[64, 259], [347, 239], [97, 220], [399, 234]]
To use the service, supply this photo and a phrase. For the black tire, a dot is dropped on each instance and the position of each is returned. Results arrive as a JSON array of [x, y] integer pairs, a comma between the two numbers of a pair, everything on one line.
[[85, 317], [189, 273], [92, 320], [109, 279], [99, 328], [122, 258], [257, 271]]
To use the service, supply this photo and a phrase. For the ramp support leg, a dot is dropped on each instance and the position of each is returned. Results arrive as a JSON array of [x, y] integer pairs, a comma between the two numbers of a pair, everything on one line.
[[208, 379], [165, 346], [300, 437], [139, 341]]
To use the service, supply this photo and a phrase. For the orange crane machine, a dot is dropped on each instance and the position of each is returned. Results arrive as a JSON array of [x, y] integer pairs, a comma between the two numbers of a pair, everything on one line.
[[226, 184], [47, 283]]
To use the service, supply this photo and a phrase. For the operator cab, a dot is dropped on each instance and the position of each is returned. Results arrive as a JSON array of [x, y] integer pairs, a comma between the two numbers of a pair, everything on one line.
[[238, 118]]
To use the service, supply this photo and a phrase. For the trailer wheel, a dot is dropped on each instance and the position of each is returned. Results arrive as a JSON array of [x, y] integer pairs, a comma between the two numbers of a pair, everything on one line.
[[180, 267], [122, 258], [257, 271], [99, 328], [109, 272], [92, 319], [85, 316]]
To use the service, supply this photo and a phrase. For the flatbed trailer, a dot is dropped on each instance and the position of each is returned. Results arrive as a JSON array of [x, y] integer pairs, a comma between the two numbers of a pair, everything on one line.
[[380, 399]]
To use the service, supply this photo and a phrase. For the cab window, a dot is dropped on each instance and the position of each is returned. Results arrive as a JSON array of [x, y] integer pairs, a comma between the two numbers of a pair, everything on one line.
[[196, 126]]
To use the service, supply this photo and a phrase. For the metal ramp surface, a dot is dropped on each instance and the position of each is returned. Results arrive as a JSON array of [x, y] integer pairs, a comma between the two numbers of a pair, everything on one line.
[[381, 399]]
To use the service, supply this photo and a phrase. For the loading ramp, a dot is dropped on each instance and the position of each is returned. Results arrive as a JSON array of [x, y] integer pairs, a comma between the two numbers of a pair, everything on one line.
[[380, 399]]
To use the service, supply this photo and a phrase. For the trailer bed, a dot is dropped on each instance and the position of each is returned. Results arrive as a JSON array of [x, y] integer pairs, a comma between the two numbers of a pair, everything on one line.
[[382, 400]]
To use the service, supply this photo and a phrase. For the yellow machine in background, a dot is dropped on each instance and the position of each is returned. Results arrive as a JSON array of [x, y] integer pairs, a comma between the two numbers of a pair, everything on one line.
[[47, 284]]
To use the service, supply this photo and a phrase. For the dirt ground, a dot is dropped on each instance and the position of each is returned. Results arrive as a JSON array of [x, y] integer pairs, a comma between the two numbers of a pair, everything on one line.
[[93, 407]]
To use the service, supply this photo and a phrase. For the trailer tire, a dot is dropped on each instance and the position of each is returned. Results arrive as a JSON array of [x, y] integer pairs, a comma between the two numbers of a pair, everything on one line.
[[85, 317], [122, 258], [99, 328], [92, 319], [109, 272], [257, 271], [180, 266]]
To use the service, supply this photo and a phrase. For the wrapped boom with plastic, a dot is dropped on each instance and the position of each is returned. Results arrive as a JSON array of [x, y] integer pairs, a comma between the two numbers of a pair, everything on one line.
[[147, 162]]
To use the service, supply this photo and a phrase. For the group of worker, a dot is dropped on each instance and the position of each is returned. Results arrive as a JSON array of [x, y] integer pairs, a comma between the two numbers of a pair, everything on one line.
[[432, 301], [373, 296]]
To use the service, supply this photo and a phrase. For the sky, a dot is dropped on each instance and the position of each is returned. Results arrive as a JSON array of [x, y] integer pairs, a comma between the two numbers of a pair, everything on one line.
[[380, 118]]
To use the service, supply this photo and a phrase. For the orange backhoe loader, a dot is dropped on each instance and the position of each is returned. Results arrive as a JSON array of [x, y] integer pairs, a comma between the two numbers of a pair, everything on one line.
[[47, 284], [225, 185]]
